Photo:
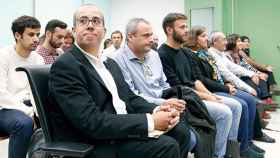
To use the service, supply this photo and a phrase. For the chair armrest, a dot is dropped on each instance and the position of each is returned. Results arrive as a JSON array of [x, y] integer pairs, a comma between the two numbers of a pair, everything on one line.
[[67, 149]]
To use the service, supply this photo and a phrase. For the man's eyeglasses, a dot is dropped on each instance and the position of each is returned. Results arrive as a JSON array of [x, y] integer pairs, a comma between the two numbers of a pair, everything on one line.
[[96, 21]]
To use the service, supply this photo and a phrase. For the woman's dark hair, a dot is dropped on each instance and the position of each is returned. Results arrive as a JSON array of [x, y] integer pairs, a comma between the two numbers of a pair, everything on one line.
[[231, 41], [106, 42], [243, 38]]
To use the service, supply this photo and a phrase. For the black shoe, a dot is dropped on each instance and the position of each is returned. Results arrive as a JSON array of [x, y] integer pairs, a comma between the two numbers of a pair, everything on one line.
[[250, 153], [256, 148], [265, 138]]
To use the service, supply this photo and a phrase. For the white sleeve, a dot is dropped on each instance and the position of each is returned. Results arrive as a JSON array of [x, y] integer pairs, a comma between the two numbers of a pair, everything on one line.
[[237, 69], [229, 76]]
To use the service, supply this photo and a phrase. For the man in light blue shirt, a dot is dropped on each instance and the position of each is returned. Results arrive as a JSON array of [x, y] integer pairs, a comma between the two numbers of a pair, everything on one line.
[[147, 67]]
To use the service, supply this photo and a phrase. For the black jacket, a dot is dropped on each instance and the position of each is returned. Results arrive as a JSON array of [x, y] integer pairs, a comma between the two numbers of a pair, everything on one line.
[[203, 71], [82, 105]]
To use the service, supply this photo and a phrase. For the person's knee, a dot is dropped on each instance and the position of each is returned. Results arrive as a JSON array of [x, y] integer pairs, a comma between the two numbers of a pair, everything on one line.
[[227, 114], [24, 123]]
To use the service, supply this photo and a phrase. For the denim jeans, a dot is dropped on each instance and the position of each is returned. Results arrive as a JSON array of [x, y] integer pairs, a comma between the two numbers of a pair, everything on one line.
[[222, 116], [193, 140], [236, 109], [20, 128], [246, 130]]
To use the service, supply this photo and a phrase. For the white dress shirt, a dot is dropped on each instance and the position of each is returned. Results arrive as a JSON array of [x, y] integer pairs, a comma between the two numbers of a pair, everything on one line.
[[14, 86], [230, 70]]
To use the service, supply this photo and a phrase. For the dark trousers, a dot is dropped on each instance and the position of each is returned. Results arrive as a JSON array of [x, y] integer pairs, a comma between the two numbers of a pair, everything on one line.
[[173, 144], [270, 79], [19, 127], [262, 89], [246, 126]]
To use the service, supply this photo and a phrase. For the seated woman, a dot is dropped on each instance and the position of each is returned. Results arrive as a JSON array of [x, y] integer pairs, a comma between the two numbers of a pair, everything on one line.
[[267, 69], [234, 49]]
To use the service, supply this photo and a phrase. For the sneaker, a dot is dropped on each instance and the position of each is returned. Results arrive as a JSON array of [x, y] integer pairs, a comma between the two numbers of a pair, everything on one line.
[[265, 138]]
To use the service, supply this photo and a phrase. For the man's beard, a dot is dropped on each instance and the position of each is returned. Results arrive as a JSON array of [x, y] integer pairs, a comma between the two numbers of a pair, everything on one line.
[[177, 37], [53, 44]]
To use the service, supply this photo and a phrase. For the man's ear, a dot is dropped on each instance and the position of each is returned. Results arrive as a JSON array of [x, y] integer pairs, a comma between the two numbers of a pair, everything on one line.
[[17, 36], [169, 29], [48, 34]]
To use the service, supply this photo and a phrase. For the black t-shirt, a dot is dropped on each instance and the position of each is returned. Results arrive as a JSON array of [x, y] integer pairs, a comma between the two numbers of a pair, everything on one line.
[[176, 65]]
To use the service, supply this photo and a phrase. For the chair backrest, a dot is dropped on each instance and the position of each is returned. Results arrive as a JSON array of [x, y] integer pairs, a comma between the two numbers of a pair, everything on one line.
[[38, 77]]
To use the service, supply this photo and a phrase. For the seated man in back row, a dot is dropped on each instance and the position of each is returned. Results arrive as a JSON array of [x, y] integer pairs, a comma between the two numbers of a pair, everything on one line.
[[92, 102], [15, 95]]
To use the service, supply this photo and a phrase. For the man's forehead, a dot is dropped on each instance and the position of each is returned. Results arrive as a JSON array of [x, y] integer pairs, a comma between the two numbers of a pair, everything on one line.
[[89, 11], [34, 30]]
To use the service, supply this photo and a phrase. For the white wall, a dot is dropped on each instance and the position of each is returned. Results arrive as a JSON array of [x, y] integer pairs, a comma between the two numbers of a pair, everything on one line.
[[44, 11], [8, 12], [55, 9], [117, 13], [151, 10]]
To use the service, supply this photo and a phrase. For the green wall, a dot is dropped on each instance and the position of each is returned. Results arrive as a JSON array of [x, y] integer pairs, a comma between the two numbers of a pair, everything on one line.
[[260, 22]]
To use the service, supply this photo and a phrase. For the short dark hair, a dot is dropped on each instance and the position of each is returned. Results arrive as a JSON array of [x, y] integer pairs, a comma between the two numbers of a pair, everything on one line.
[[231, 41], [52, 24], [117, 32], [170, 18], [22, 22], [243, 38]]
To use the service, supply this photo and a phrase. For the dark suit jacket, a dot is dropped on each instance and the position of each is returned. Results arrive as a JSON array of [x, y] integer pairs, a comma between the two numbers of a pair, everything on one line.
[[82, 107]]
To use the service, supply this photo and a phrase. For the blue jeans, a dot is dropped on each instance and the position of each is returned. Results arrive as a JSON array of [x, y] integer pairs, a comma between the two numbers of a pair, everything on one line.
[[246, 126], [193, 140], [20, 128], [236, 109], [222, 116]]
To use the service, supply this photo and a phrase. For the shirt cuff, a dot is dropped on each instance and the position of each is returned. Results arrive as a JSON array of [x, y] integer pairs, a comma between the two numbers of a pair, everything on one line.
[[151, 127]]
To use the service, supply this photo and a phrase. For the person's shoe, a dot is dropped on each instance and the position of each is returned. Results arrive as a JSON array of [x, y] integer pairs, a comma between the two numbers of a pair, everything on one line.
[[250, 153], [269, 101], [265, 138], [256, 148]]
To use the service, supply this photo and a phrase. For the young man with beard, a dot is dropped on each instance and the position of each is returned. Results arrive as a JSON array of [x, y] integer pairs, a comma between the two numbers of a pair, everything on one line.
[[15, 116], [55, 32]]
